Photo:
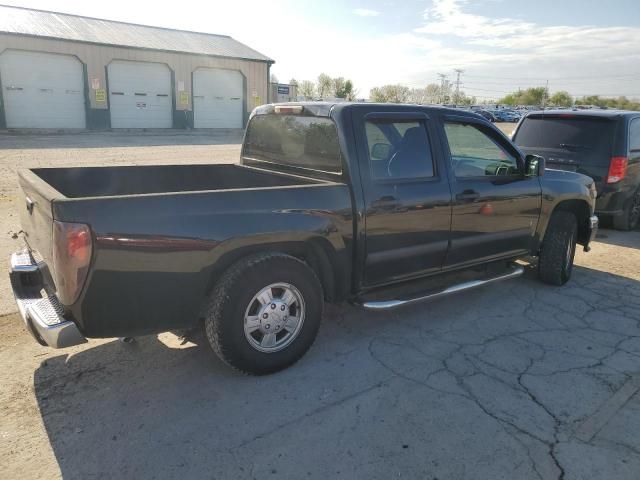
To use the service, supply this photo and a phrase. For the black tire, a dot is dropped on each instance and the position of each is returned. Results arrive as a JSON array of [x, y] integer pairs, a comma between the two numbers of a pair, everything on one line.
[[232, 296], [630, 218], [558, 249]]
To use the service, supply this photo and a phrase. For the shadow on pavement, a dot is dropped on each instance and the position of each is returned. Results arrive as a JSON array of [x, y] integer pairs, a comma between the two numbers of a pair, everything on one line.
[[156, 408], [619, 238]]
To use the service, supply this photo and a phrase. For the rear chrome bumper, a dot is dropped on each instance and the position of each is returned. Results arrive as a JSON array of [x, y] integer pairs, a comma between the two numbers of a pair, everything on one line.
[[41, 312]]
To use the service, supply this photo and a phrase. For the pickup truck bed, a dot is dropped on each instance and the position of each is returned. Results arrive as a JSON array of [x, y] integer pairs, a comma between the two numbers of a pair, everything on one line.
[[162, 233], [82, 182]]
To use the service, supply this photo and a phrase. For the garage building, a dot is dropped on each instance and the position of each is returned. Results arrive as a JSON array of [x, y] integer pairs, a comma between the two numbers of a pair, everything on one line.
[[61, 71]]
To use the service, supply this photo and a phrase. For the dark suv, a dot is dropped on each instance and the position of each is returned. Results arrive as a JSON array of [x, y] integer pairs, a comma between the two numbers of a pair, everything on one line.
[[603, 144]]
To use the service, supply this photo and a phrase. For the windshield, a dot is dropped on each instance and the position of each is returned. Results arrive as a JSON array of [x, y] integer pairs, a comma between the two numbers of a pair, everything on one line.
[[294, 140], [592, 137]]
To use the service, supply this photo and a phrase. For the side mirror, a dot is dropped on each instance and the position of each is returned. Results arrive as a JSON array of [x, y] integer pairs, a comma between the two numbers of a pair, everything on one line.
[[380, 151], [534, 166]]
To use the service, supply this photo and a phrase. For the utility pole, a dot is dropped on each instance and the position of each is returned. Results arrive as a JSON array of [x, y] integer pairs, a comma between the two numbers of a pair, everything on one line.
[[443, 79], [458, 72], [544, 96]]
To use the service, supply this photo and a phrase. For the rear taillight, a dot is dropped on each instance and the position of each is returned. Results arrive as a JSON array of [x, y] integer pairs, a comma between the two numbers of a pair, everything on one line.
[[617, 169], [72, 248]]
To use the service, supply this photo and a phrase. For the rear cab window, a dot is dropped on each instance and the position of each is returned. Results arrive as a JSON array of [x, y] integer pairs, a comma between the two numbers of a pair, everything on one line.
[[592, 137], [297, 141]]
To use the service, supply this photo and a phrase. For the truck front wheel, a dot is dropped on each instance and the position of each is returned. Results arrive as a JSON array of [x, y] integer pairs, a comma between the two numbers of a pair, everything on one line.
[[264, 313], [558, 249]]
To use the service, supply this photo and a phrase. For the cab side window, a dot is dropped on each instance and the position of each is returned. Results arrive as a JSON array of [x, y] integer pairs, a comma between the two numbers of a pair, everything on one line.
[[398, 149], [476, 154]]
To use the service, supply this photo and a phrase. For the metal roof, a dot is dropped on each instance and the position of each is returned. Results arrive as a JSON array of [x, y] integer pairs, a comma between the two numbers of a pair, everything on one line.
[[64, 26]]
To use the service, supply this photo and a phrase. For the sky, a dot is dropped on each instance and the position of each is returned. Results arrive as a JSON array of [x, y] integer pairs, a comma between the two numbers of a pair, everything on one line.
[[582, 46]]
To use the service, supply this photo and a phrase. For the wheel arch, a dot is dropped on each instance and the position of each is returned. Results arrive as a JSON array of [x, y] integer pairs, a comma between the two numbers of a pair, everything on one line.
[[317, 253], [582, 211]]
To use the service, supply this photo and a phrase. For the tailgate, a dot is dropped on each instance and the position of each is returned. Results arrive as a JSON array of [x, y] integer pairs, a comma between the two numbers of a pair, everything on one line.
[[36, 217]]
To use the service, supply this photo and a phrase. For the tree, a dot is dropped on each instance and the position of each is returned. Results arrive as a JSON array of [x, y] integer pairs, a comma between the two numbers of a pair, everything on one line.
[[390, 94], [350, 92], [307, 89], [561, 99], [325, 85], [338, 87], [530, 96], [274, 79], [417, 95], [293, 81], [622, 103], [432, 93]]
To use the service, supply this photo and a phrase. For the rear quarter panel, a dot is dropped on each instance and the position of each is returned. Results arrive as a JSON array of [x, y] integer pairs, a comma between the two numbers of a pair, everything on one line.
[[156, 256]]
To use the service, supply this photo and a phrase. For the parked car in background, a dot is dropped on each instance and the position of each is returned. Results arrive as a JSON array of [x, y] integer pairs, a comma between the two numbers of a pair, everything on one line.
[[603, 144], [383, 205], [504, 115], [485, 114]]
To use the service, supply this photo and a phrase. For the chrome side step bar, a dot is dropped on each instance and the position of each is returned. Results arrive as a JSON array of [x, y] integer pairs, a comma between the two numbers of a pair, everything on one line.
[[515, 271]]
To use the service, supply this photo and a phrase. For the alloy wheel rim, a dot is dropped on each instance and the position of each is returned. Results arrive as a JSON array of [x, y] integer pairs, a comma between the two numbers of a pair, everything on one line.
[[274, 317]]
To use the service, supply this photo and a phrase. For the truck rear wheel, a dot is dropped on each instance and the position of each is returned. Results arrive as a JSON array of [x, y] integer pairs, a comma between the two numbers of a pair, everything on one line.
[[558, 249], [264, 313]]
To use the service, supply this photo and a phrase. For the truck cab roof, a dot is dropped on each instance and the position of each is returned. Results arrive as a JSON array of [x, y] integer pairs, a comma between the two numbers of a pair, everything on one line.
[[324, 109]]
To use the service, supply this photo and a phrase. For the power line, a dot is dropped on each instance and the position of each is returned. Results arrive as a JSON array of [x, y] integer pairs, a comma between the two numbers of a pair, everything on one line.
[[556, 78]]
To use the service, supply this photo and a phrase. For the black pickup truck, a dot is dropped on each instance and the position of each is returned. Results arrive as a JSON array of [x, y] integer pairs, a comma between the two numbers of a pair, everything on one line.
[[381, 205]]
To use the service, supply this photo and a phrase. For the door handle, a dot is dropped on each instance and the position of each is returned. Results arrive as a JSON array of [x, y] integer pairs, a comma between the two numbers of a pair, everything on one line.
[[468, 195]]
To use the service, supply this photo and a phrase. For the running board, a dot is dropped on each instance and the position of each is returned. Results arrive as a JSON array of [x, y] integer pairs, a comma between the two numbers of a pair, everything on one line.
[[515, 271]]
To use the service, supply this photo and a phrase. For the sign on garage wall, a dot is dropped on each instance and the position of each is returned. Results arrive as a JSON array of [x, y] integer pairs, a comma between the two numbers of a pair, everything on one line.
[[101, 95], [184, 98]]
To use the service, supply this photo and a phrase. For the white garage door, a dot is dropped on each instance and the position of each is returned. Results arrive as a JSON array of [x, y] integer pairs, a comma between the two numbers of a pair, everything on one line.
[[217, 98], [42, 90], [139, 95]]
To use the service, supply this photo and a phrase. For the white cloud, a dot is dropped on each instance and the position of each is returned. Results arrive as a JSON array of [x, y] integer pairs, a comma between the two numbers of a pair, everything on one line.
[[576, 58], [365, 12]]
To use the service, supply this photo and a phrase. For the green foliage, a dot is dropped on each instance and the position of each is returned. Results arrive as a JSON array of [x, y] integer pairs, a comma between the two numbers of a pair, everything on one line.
[[622, 103], [536, 96], [561, 99], [307, 89], [325, 85], [390, 94], [530, 96]]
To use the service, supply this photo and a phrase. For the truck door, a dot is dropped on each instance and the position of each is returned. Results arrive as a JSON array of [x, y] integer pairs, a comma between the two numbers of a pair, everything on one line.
[[406, 192], [495, 206]]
